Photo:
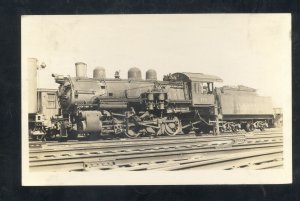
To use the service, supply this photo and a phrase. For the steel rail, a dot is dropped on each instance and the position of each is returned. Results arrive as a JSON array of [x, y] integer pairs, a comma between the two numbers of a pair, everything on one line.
[[221, 162], [131, 147], [191, 136], [137, 156], [253, 162], [237, 160], [58, 150], [124, 148], [52, 147]]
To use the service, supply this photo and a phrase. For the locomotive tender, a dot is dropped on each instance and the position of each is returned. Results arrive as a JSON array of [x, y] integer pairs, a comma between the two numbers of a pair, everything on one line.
[[181, 102]]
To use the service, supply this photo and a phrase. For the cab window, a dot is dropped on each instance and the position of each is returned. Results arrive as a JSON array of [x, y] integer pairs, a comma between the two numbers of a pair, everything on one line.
[[197, 86], [208, 88]]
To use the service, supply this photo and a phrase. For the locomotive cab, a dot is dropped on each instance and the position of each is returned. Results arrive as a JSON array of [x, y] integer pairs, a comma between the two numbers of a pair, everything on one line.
[[198, 87], [202, 93]]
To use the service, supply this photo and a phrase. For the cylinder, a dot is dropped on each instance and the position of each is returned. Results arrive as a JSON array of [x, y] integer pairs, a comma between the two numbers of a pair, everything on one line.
[[99, 73], [91, 121], [151, 75], [150, 97], [134, 74], [161, 96], [81, 69], [32, 85]]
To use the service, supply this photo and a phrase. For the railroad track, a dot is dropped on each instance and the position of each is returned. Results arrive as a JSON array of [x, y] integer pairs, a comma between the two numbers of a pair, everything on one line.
[[180, 135], [244, 159], [55, 144], [147, 154]]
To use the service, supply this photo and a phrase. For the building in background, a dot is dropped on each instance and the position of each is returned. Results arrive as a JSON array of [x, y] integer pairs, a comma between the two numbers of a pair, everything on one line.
[[47, 104]]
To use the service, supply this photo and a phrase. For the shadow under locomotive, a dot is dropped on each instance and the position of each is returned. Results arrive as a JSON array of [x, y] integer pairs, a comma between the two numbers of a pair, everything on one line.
[[182, 102]]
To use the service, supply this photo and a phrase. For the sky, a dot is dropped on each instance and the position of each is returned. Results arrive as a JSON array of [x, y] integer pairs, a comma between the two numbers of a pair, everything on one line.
[[243, 49]]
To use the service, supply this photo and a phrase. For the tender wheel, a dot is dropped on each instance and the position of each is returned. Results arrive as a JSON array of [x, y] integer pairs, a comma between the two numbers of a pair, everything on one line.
[[252, 127], [233, 129], [247, 127], [173, 126], [262, 128]]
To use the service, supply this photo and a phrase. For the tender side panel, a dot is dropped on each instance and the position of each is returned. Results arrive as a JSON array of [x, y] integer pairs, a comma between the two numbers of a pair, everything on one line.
[[245, 105]]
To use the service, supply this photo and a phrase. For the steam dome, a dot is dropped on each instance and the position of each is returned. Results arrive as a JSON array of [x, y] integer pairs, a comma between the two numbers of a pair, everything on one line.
[[151, 75], [134, 74], [99, 73]]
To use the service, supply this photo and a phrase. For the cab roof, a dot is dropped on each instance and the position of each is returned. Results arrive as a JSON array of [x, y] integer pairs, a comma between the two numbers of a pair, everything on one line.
[[196, 77]]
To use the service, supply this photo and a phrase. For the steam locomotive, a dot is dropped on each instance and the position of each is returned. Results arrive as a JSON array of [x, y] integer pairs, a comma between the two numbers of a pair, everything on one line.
[[180, 103]]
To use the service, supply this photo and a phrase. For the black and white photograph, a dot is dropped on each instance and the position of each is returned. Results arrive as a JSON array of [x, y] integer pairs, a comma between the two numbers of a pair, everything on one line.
[[151, 99]]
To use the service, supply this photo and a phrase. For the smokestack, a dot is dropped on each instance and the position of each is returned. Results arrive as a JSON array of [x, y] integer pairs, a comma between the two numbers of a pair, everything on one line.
[[81, 69]]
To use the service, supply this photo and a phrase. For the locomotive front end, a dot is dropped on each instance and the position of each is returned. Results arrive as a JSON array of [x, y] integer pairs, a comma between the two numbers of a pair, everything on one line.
[[79, 91], [78, 98]]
